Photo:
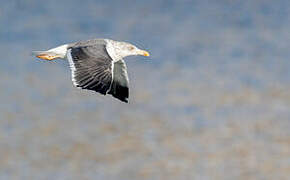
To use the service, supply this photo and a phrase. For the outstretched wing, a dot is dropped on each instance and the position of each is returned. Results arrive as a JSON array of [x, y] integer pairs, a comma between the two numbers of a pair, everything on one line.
[[91, 67], [120, 86]]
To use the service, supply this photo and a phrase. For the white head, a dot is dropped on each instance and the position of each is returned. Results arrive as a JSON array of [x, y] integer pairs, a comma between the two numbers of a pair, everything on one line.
[[124, 49]]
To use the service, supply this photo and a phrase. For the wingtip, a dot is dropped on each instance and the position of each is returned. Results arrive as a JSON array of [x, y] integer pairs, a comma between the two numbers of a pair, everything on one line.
[[124, 100]]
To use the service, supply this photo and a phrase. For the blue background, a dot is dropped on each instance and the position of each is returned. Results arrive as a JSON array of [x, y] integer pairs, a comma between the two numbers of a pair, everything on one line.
[[211, 102]]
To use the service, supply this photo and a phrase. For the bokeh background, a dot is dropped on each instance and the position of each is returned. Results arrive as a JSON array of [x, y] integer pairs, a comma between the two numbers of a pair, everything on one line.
[[211, 102]]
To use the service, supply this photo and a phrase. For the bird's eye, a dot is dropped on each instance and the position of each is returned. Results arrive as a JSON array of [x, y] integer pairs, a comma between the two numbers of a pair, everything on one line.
[[131, 48]]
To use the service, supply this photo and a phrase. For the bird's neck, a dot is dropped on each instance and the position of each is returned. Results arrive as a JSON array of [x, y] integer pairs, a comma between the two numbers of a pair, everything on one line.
[[114, 51]]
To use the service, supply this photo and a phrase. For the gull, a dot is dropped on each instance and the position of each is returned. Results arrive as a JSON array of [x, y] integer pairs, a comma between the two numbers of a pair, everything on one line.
[[97, 64]]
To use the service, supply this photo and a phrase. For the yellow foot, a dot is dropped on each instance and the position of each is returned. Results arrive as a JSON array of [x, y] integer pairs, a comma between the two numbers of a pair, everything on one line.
[[46, 57]]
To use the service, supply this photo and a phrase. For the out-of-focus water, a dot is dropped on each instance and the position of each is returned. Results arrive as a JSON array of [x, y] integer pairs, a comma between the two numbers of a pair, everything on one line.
[[211, 102]]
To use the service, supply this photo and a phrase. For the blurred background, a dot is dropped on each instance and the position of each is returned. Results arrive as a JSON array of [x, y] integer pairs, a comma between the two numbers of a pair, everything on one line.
[[211, 102]]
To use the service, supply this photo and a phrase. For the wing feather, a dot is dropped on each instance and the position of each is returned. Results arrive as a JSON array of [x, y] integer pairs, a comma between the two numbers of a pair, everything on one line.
[[91, 67], [120, 85]]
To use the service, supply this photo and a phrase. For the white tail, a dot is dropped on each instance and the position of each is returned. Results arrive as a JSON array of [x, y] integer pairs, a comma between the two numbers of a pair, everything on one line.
[[58, 52]]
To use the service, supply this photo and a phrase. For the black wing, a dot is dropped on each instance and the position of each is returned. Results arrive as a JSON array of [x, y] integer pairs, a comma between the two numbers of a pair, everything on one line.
[[91, 67], [120, 86]]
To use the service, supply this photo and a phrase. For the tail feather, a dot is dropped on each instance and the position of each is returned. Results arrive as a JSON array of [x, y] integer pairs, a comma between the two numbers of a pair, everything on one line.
[[58, 52]]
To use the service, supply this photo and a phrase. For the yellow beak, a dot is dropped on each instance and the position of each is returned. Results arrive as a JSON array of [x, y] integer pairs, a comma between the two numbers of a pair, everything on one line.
[[144, 53]]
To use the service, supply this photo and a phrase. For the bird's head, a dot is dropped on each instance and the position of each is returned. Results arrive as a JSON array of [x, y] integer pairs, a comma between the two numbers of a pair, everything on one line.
[[127, 49]]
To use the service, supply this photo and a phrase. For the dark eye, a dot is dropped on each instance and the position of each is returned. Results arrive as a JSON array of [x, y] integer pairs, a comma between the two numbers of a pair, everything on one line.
[[131, 48]]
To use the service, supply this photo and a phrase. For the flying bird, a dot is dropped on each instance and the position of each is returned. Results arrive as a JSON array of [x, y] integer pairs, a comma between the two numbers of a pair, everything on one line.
[[97, 64]]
